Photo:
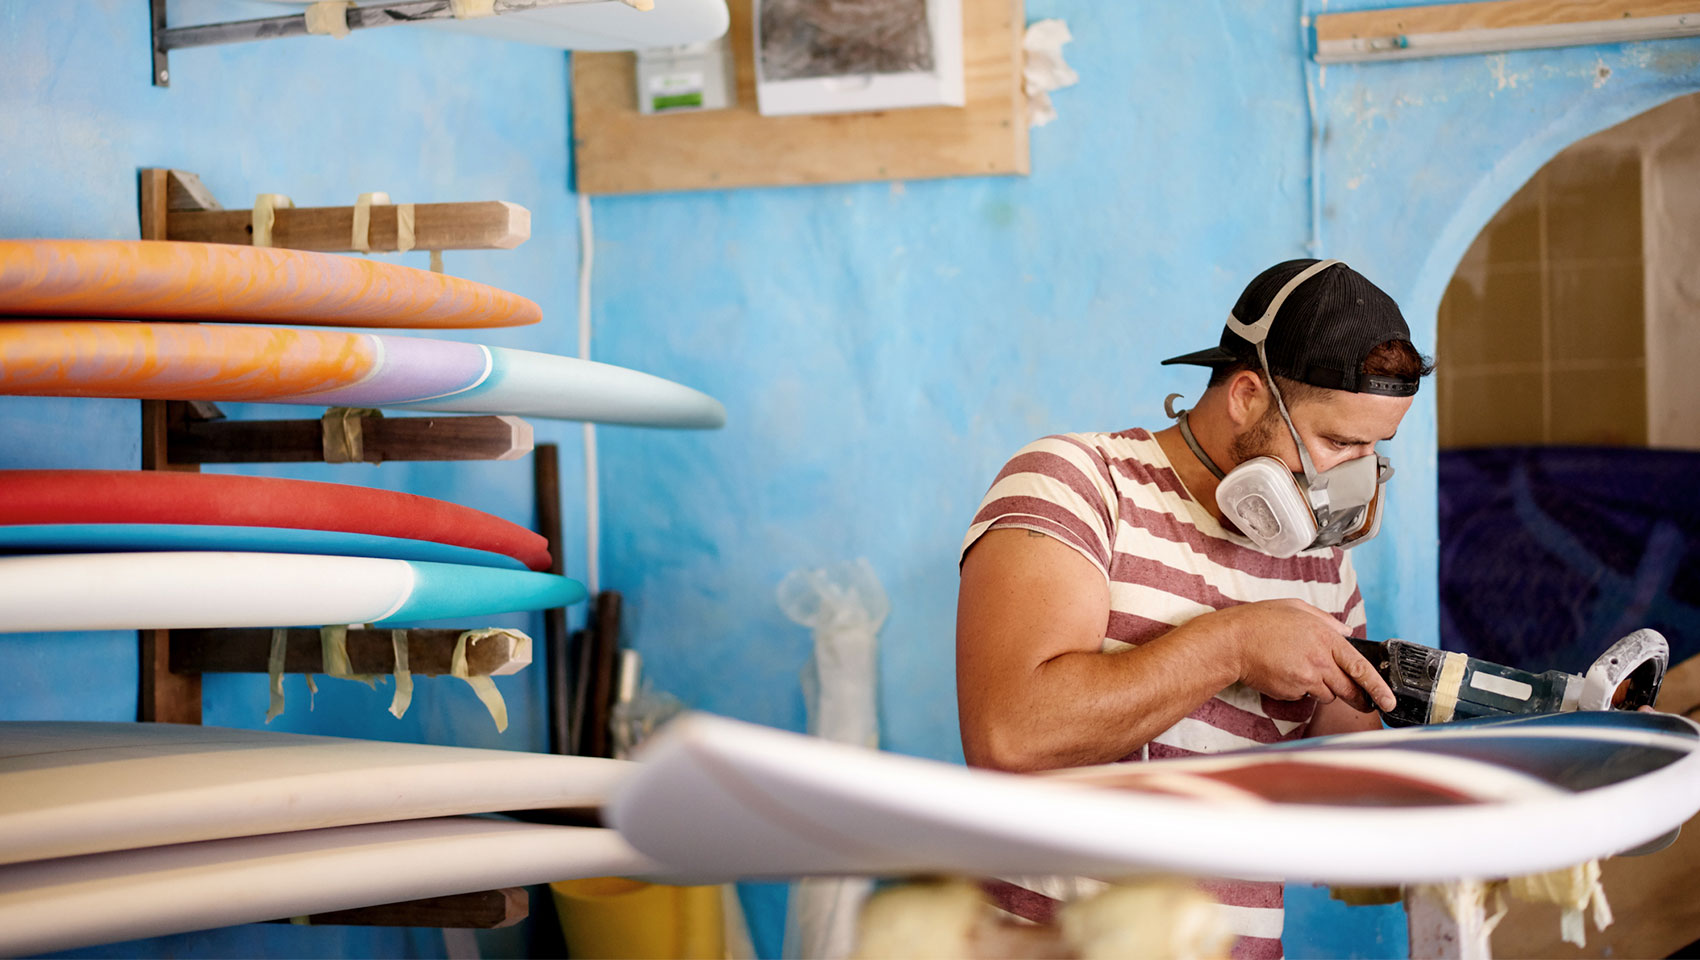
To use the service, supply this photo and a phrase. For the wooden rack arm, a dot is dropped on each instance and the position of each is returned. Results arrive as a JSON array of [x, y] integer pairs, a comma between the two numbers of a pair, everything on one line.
[[370, 651], [191, 440], [478, 225], [486, 910]]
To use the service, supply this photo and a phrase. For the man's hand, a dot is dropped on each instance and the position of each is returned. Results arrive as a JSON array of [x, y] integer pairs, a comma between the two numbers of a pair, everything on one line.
[[1288, 648]]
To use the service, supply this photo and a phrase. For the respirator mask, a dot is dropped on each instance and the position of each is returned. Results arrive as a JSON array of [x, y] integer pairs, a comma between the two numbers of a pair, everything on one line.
[[1284, 513]]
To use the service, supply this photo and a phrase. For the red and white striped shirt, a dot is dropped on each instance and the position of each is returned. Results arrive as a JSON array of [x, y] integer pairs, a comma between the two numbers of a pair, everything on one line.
[[1116, 499]]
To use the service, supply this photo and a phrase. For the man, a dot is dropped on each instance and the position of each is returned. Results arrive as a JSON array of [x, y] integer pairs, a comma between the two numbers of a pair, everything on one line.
[[1110, 609]]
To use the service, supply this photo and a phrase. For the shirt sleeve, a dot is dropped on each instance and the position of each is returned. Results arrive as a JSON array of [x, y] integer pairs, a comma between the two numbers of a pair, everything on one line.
[[1059, 486]]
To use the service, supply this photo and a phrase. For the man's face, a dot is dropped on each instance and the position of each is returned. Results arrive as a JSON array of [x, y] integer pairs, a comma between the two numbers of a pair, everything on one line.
[[1336, 427]]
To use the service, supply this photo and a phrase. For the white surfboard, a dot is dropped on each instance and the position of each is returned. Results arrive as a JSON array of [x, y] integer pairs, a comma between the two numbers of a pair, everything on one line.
[[1472, 799], [610, 25], [208, 589], [70, 788], [105, 898]]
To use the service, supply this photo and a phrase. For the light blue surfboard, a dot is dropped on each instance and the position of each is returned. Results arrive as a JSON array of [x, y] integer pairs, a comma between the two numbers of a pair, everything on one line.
[[173, 590], [133, 537]]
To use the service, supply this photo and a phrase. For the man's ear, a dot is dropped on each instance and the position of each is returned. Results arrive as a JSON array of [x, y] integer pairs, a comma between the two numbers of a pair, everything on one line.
[[1248, 398]]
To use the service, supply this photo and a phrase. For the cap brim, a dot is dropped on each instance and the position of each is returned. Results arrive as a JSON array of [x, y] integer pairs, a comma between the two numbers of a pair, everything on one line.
[[1213, 357]]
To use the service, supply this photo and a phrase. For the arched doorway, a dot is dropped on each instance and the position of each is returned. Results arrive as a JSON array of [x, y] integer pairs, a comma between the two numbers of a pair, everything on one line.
[[1568, 420]]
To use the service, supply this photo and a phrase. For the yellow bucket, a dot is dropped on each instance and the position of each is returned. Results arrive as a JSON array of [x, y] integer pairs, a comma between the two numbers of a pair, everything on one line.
[[613, 918]]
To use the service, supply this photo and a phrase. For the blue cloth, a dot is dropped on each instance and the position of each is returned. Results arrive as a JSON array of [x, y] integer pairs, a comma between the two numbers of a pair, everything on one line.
[[1548, 554]]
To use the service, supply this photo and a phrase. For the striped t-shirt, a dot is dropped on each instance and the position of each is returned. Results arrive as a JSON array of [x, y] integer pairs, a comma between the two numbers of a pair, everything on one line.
[[1116, 499]]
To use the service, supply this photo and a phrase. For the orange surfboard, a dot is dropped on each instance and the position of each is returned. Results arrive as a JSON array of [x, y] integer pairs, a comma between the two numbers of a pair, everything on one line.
[[171, 280]]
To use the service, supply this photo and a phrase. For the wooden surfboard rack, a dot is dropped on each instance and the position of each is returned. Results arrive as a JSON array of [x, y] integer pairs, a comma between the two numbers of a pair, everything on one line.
[[177, 206], [182, 435]]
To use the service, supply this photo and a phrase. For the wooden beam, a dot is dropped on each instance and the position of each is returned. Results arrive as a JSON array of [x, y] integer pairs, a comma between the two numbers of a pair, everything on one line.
[[486, 910], [546, 484], [162, 696], [1492, 15], [483, 225], [383, 438], [372, 651], [1454, 28]]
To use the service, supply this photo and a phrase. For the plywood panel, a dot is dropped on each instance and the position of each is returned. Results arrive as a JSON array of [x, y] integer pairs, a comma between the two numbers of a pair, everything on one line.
[[618, 150]]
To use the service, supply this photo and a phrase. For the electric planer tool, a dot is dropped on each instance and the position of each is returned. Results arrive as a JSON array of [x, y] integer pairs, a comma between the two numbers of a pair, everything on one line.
[[1434, 686]]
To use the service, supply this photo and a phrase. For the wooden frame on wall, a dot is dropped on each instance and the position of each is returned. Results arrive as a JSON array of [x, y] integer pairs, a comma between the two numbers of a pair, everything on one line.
[[617, 150]]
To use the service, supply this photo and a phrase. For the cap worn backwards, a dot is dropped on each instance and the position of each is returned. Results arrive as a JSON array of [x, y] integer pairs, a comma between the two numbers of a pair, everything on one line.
[[1322, 331]]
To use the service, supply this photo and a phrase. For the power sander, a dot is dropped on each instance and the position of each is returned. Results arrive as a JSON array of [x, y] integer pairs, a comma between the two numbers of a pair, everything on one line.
[[1434, 686]]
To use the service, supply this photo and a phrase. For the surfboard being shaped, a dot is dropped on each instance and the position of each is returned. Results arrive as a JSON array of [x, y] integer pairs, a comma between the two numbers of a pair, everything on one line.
[[71, 788], [1476, 799], [185, 361], [187, 590], [105, 898], [169, 280], [144, 498]]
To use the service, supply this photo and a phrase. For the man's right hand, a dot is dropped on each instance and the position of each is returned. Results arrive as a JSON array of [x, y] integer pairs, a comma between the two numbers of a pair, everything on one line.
[[1289, 648]]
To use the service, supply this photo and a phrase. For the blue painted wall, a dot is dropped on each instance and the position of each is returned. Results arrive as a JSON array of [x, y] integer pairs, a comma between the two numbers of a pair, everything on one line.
[[881, 348], [423, 114]]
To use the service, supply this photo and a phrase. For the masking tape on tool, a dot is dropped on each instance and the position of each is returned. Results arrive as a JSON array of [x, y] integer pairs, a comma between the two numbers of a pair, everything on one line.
[[484, 687], [436, 261], [343, 436], [274, 672], [403, 227], [1447, 687], [329, 18], [403, 676], [362, 239], [466, 9], [265, 216]]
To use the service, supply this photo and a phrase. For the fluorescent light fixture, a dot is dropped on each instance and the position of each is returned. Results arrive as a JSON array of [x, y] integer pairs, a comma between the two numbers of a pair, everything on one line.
[[1366, 43]]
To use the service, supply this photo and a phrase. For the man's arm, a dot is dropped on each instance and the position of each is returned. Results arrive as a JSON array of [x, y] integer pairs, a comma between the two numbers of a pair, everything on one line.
[[1034, 690]]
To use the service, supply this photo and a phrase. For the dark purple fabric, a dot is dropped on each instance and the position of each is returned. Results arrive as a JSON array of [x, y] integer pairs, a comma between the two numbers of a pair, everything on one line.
[[1548, 554]]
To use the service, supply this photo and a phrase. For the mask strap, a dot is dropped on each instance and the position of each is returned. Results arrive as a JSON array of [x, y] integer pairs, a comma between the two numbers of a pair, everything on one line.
[[1256, 333], [1186, 434]]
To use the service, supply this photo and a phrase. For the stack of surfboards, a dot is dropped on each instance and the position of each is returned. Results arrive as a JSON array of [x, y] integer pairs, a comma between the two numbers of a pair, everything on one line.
[[162, 320], [111, 831], [116, 831]]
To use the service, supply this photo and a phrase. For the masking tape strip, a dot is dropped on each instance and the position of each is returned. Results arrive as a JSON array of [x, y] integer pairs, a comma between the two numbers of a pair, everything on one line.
[[329, 18], [265, 217], [1572, 889], [342, 436], [436, 261], [1447, 687], [274, 672], [645, 5], [362, 239], [333, 648], [404, 227], [483, 687], [403, 676], [466, 9]]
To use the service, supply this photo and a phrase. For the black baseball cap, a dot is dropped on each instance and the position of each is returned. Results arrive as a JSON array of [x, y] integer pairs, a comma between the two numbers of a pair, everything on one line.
[[1321, 333]]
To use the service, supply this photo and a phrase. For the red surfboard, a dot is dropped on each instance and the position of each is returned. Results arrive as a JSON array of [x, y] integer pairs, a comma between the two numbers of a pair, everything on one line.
[[135, 496]]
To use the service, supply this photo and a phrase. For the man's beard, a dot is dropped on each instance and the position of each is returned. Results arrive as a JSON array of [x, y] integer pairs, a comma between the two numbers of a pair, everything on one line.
[[1259, 440]]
